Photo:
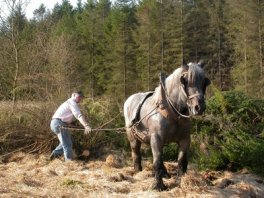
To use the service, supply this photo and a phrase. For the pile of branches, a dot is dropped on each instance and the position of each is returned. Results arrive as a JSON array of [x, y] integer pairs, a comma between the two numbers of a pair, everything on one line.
[[26, 129]]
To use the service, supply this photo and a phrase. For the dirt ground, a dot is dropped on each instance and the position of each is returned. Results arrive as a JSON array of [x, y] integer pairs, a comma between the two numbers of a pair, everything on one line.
[[35, 176]]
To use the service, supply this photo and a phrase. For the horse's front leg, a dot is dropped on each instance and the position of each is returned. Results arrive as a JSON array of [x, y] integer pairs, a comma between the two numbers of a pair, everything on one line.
[[158, 166], [184, 146]]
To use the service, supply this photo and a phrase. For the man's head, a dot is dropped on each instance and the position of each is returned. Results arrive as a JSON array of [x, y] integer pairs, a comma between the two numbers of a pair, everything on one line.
[[78, 96]]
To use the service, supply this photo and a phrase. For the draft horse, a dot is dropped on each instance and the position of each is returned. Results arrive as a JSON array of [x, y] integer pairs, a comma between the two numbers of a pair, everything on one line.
[[163, 116]]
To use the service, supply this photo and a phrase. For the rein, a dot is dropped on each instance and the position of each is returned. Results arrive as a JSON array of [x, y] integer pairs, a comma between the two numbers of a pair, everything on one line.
[[185, 92], [171, 106], [168, 99]]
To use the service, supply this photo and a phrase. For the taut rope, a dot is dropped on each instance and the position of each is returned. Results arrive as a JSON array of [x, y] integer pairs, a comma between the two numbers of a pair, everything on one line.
[[118, 130]]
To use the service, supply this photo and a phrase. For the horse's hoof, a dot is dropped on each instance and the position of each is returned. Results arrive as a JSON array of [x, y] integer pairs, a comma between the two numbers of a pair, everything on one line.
[[137, 168], [166, 175], [159, 186]]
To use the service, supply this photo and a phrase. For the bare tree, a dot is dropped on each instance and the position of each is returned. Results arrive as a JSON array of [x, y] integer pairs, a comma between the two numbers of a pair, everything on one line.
[[13, 24]]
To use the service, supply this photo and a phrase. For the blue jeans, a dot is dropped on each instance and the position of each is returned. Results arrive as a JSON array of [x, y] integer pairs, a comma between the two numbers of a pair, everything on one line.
[[64, 136]]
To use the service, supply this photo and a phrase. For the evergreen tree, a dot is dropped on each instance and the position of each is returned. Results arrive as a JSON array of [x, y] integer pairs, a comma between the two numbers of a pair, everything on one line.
[[91, 25], [196, 30], [39, 14], [117, 50], [172, 34], [123, 80], [245, 35], [147, 36], [220, 49], [64, 15]]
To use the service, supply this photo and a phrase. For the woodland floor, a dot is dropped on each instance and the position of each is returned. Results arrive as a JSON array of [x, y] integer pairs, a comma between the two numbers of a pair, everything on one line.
[[25, 175]]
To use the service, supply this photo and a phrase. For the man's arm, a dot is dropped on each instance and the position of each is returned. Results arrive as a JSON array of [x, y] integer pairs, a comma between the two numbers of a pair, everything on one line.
[[78, 115], [85, 125]]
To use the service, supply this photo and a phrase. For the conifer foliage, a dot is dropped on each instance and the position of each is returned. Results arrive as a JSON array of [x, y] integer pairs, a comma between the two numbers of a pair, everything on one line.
[[112, 49], [118, 48]]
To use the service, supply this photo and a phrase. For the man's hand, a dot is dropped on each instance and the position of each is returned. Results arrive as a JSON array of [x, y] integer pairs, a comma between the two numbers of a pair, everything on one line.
[[87, 130]]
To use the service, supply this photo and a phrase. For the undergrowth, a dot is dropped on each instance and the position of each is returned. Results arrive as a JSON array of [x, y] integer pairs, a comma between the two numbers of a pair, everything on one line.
[[230, 135]]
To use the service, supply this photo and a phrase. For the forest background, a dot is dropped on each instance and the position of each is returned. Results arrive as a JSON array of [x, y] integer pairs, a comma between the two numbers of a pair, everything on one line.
[[112, 50]]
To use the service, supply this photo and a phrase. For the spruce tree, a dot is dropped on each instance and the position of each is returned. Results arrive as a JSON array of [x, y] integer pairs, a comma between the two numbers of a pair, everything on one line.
[[245, 35], [123, 76]]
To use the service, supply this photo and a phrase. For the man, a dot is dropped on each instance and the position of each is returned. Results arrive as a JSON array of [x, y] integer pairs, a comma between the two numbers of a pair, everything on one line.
[[62, 117]]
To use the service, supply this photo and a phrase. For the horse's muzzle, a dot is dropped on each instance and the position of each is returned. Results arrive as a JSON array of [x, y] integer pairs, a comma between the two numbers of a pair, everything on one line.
[[196, 106]]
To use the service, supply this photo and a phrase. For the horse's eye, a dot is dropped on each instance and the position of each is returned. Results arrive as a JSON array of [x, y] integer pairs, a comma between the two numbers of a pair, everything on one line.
[[183, 80]]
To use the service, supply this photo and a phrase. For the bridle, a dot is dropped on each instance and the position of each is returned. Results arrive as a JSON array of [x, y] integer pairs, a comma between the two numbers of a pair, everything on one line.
[[184, 90], [186, 94]]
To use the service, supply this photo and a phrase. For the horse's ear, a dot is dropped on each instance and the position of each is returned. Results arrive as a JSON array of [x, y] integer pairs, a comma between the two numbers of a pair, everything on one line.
[[201, 63], [184, 62], [184, 66], [207, 82]]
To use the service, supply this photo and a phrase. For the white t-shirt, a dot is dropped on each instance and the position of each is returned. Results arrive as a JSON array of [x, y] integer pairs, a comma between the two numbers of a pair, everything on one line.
[[67, 110]]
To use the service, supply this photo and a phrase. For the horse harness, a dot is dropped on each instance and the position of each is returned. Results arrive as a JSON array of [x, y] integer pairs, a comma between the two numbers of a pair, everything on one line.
[[164, 106]]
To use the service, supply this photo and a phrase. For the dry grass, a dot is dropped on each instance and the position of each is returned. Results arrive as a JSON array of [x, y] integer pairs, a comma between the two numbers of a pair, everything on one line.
[[35, 176]]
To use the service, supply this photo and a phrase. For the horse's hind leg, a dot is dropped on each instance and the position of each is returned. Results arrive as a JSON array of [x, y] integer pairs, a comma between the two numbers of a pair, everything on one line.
[[136, 154]]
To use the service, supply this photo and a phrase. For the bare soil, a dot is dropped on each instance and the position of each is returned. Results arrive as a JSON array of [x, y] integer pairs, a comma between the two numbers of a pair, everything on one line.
[[25, 175]]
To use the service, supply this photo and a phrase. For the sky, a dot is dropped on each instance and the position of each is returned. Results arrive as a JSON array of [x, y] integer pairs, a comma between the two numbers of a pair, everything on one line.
[[34, 4]]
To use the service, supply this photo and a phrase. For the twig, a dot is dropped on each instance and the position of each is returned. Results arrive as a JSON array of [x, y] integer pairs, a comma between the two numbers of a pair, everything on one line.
[[108, 121], [17, 150]]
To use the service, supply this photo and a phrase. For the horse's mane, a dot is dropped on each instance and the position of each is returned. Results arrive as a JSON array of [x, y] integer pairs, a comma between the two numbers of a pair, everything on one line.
[[173, 83], [194, 73]]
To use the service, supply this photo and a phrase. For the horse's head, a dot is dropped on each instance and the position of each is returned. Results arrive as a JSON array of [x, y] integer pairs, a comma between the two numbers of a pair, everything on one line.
[[194, 83]]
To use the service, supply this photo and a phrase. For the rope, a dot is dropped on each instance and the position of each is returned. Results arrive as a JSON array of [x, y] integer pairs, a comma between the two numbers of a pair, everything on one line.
[[100, 128], [120, 130]]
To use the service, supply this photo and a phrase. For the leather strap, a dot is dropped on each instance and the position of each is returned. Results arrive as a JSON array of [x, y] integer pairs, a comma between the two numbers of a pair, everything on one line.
[[164, 107]]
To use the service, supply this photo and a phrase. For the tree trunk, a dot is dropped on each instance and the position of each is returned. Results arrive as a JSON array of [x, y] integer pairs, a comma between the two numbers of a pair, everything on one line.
[[15, 46], [182, 52], [162, 36], [260, 49], [125, 62], [245, 55], [219, 47], [148, 61]]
